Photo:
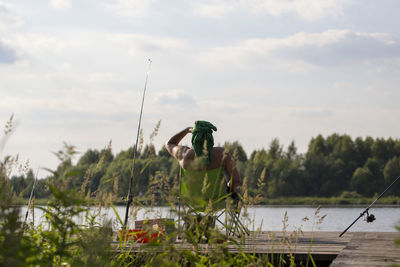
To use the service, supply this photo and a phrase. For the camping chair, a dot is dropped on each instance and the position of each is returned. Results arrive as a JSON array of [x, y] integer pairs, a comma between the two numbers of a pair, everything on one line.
[[205, 194]]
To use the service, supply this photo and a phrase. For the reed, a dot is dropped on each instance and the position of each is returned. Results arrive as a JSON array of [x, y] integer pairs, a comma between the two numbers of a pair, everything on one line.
[[62, 240]]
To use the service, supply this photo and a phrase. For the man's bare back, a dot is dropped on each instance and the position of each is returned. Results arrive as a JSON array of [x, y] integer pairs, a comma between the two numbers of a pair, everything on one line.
[[187, 159]]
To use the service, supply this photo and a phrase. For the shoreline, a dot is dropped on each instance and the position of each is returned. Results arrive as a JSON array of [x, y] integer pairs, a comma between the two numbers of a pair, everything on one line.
[[278, 202]]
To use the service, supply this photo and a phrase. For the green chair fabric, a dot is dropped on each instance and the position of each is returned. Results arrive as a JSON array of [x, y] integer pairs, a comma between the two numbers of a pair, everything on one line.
[[204, 189]]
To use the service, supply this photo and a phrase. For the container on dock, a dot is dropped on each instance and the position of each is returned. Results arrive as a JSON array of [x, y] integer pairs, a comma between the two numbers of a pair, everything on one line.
[[148, 231]]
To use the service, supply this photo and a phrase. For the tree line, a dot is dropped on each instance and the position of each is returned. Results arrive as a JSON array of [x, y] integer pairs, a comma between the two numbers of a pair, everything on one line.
[[332, 166]]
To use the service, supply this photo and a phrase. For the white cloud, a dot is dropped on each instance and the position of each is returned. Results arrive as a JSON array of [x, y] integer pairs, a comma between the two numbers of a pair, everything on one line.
[[311, 112], [131, 8], [216, 10], [70, 46], [175, 99], [7, 54], [43, 43], [306, 9], [305, 51], [137, 44], [222, 107], [7, 18], [101, 77], [60, 4], [342, 85], [73, 100]]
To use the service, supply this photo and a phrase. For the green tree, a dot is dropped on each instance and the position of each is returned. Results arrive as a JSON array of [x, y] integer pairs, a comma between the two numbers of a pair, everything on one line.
[[286, 178], [90, 157], [362, 181], [258, 161], [363, 150], [236, 150], [317, 146], [275, 150], [149, 151], [315, 164], [391, 172], [291, 152], [381, 149], [163, 152]]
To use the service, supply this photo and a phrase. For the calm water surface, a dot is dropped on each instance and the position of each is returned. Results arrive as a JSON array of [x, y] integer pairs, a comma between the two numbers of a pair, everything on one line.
[[271, 217]]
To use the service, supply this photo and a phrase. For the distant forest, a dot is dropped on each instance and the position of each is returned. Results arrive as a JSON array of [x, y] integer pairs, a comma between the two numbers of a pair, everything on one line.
[[331, 167]]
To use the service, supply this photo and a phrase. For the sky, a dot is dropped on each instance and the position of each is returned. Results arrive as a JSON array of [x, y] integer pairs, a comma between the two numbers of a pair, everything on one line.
[[74, 71]]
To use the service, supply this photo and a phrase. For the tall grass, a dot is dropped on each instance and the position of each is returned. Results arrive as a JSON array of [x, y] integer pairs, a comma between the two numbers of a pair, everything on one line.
[[62, 240]]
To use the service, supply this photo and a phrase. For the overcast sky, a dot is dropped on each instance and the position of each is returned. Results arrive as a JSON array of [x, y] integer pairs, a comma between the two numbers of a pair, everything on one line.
[[74, 71]]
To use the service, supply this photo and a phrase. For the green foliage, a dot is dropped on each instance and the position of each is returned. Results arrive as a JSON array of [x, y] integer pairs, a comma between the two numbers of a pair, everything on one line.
[[331, 166], [236, 150], [59, 241], [349, 195], [391, 172], [361, 181]]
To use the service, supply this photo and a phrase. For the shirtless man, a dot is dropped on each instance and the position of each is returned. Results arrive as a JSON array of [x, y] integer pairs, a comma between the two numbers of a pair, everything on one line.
[[210, 158]]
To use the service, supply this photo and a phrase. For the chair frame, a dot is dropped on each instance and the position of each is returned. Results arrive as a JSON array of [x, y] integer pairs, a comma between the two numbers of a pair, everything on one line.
[[233, 226]]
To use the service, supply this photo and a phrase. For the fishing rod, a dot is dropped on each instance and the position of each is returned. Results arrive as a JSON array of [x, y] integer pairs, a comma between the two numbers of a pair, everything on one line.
[[370, 217], [130, 195], [31, 196]]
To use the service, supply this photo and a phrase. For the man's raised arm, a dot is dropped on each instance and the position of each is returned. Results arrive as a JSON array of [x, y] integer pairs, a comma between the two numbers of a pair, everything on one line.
[[172, 144]]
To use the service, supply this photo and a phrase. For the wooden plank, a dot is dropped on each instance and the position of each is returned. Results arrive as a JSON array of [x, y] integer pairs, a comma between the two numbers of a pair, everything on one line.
[[324, 244], [370, 249], [353, 249]]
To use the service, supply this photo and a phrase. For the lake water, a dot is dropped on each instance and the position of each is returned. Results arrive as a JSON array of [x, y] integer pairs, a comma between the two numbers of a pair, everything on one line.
[[271, 217]]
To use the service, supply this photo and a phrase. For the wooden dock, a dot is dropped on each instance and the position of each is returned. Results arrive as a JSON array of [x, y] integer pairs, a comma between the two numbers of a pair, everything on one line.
[[326, 248], [370, 249]]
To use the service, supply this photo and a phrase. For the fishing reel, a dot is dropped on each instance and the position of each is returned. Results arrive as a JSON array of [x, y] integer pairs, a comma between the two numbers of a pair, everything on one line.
[[370, 218]]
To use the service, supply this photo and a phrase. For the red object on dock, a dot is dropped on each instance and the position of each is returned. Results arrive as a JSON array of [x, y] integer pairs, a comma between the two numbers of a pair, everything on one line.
[[140, 235]]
